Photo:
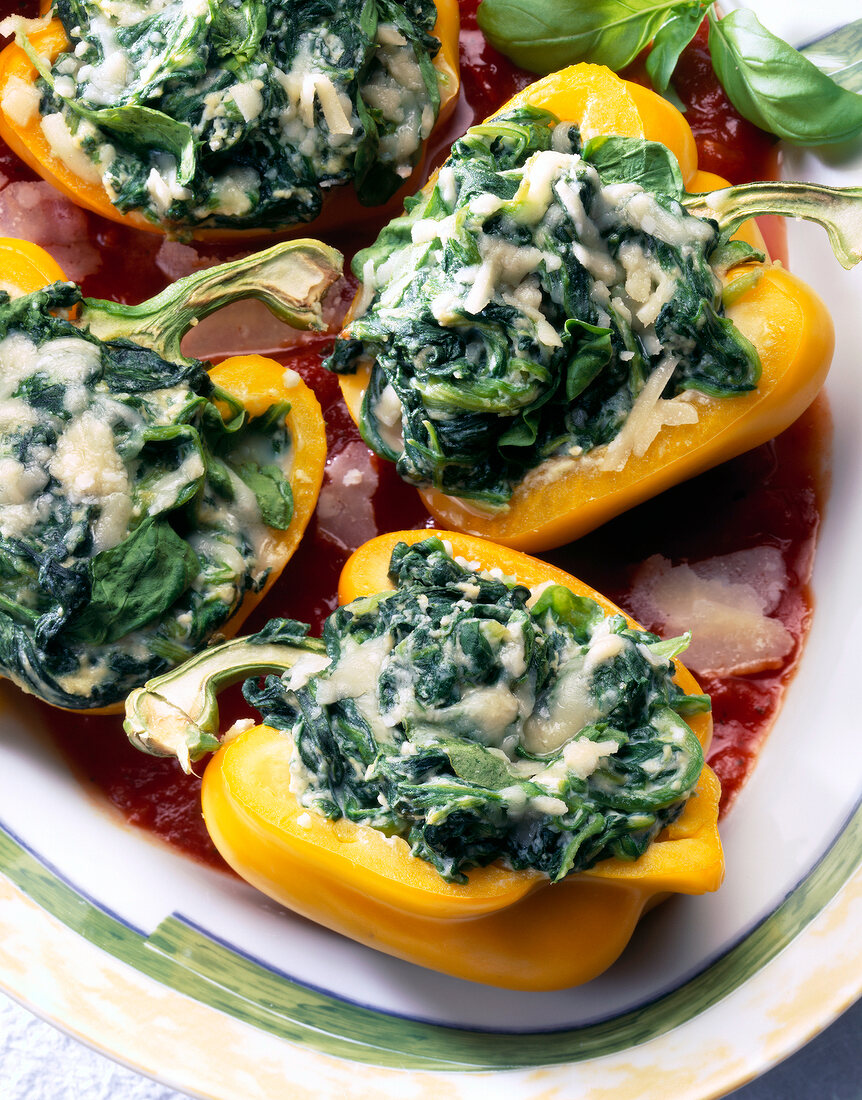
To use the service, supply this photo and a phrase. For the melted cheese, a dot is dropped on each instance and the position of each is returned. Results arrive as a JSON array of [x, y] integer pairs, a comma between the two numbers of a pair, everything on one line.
[[90, 471], [649, 414], [570, 707], [502, 262], [66, 148], [162, 184], [247, 96], [357, 671], [535, 191], [20, 100], [231, 192]]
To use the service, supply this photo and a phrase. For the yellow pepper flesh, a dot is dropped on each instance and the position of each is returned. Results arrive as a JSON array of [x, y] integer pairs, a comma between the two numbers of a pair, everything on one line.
[[258, 383], [26, 267], [25, 137], [255, 381], [504, 928], [784, 319]]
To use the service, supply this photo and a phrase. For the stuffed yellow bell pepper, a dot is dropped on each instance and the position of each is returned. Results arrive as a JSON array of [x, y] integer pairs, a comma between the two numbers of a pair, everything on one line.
[[145, 502], [570, 317], [218, 120], [484, 767]]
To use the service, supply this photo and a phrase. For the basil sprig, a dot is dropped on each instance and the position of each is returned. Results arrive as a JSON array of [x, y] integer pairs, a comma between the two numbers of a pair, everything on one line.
[[668, 44], [776, 87], [545, 35], [770, 83]]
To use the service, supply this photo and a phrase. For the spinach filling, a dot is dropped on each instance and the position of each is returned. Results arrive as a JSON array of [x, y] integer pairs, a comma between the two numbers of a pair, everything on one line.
[[526, 303], [480, 721], [242, 112], [136, 500]]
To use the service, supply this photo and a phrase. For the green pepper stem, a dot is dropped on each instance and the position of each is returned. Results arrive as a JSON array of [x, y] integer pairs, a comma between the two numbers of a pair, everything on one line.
[[290, 279], [837, 209], [176, 714]]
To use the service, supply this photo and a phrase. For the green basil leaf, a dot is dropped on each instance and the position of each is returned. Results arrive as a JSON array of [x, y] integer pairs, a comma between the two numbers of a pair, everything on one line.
[[272, 491], [668, 44], [134, 583], [545, 35], [649, 164], [776, 87], [839, 55]]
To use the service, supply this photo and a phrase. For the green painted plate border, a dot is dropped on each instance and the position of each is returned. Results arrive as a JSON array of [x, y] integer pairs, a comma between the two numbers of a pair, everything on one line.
[[185, 959]]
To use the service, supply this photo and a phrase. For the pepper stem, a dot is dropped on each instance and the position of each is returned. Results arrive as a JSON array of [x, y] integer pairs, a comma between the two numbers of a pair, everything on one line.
[[176, 714], [837, 209], [290, 278]]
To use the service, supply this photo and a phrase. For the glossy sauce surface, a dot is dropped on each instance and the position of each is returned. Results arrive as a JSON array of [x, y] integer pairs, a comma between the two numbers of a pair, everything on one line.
[[772, 496]]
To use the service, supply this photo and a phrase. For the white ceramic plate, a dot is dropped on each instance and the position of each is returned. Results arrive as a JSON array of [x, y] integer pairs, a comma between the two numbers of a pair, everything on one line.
[[199, 981]]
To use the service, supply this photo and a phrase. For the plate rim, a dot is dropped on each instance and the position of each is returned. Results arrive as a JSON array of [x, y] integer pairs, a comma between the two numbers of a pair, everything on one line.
[[72, 981], [206, 967], [92, 1015]]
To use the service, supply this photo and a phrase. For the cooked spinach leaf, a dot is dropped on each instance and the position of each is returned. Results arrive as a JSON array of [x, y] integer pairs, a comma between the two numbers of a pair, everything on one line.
[[272, 492], [481, 723], [243, 112], [134, 584], [649, 164]]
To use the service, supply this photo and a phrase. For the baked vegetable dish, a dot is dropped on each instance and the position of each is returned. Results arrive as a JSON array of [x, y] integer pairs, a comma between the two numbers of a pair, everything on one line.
[[570, 317], [237, 115], [146, 503], [459, 752]]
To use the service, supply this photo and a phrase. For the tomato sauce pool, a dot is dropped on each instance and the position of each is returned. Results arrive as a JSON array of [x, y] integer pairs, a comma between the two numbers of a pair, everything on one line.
[[771, 496]]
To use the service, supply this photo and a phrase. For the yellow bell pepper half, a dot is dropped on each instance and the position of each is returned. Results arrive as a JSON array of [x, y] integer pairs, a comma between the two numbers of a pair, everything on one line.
[[504, 928], [785, 320], [22, 132], [255, 381]]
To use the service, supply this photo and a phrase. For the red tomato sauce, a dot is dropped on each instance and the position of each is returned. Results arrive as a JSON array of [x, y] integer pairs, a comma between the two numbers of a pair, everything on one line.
[[773, 495]]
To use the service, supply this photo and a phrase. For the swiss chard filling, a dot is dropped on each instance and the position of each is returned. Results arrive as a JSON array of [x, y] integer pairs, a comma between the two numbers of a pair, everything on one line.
[[481, 721], [135, 501], [545, 299], [241, 112]]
